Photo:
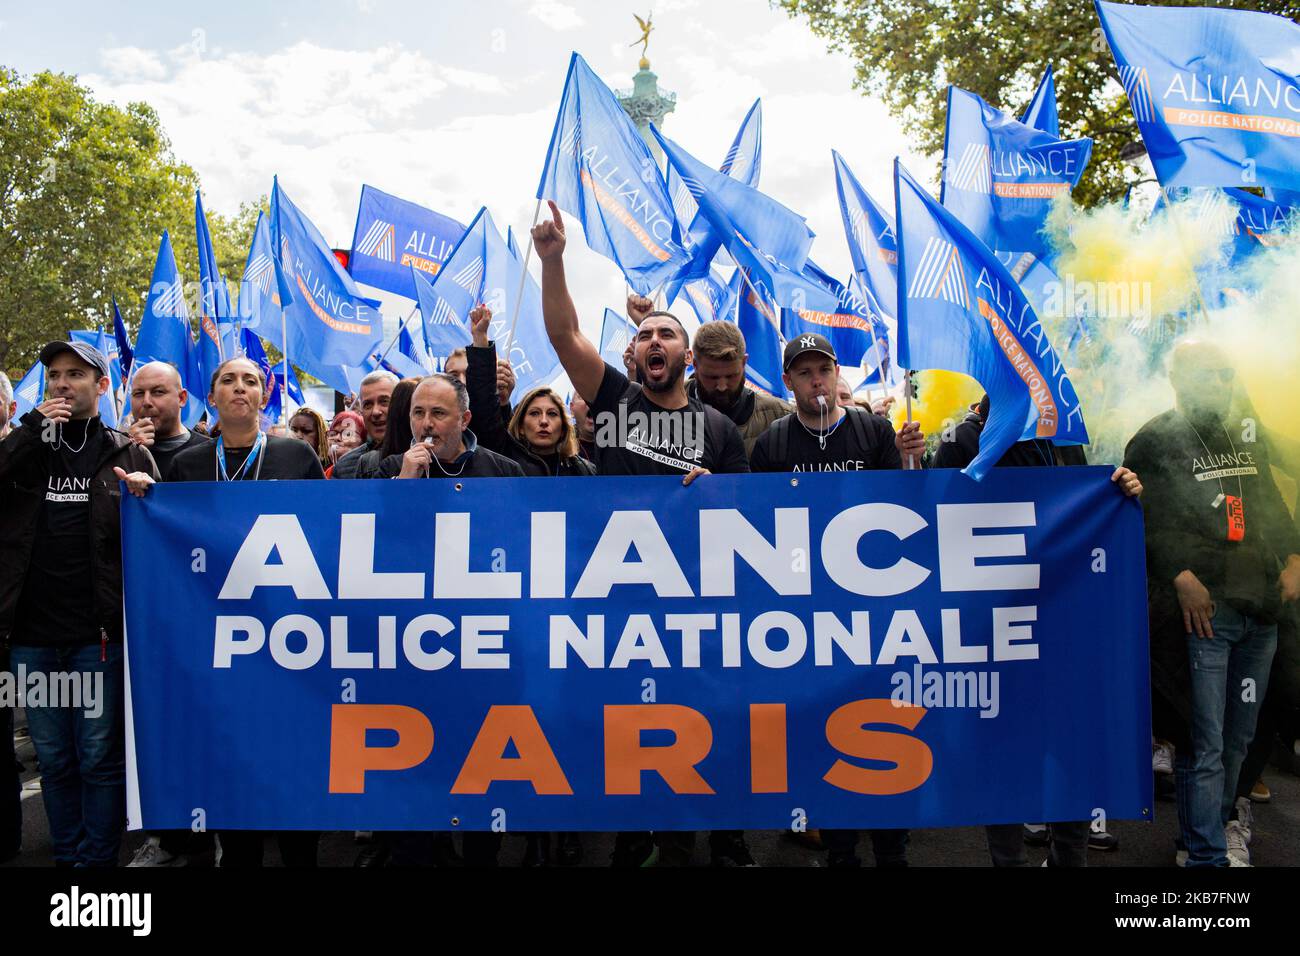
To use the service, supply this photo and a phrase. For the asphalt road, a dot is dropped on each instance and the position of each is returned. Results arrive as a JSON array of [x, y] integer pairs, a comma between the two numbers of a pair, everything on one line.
[[1275, 841]]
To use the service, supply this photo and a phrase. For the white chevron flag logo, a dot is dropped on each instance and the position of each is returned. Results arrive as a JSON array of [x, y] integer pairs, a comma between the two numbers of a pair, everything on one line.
[[259, 272], [940, 274], [171, 301], [31, 392], [469, 277], [572, 138], [1138, 87], [379, 242], [442, 314], [974, 171]]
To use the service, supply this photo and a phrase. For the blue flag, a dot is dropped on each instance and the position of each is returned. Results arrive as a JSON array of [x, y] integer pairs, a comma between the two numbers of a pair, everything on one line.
[[1041, 111], [873, 244], [599, 169], [444, 330], [764, 237], [854, 328], [263, 288], [616, 333], [880, 363], [393, 236], [959, 309], [108, 401], [329, 322], [419, 354], [1215, 92], [30, 392], [165, 334], [483, 269], [1287, 197], [125, 354], [743, 163], [759, 323], [712, 298], [216, 321], [1000, 176]]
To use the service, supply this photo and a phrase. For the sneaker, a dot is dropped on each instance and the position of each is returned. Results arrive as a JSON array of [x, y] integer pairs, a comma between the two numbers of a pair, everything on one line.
[[1102, 841], [1246, 817], [1260, 792], [1180, 858], [1238, 851], [1162, 758], [733, 851], [152, 854], [1036, 834]]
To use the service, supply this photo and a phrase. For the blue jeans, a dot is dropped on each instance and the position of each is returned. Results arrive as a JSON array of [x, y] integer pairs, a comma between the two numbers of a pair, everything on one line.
[[11, 807], [82, 759], [1223, 725]]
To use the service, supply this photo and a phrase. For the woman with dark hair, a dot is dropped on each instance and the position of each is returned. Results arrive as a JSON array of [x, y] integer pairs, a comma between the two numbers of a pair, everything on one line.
[[307, 424]]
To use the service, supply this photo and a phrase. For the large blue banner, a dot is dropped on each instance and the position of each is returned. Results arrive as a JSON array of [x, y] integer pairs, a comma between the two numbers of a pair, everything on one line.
[[893, 649]]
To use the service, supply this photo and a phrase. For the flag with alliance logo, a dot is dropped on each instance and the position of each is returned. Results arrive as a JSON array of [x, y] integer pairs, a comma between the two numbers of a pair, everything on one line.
[[599, 169], [959, 309], [616, 333], [1000, 176], [392, 236], [1215, 91], [165, 334]]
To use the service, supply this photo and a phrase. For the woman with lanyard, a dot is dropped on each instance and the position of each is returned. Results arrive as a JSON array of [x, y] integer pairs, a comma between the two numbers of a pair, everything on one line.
[[245, 453]]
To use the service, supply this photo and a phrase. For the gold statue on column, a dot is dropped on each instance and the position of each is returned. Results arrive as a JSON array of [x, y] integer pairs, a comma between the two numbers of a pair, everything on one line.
[[647, 27]]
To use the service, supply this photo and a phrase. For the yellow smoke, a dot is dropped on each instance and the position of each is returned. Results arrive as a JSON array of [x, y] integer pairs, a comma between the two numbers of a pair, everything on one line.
[[1121, 375], [942, 400]]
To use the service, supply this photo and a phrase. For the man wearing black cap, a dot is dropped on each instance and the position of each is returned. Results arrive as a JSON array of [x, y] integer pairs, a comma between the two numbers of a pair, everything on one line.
[[61, 596], [823, 436]]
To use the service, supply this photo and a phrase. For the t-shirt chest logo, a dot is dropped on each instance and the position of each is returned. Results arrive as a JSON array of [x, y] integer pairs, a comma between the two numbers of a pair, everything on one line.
[[65, 490], [1216, 465]]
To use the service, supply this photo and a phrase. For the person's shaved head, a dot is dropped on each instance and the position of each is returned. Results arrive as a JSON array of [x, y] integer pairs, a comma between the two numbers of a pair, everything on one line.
[[158, 395]]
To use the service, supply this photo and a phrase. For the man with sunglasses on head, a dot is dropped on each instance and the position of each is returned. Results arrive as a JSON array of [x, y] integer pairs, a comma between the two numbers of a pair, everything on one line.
[[1223, 557]]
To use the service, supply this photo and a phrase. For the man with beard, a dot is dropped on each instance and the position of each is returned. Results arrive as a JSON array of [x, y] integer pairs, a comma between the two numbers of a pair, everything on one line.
[[719, 380], [650, 427]]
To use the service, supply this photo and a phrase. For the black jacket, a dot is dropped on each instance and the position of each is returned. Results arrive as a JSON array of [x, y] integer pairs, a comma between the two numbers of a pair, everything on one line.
[[481, 463], [349, 465], [491, 430], [965, 445], [24, 468]]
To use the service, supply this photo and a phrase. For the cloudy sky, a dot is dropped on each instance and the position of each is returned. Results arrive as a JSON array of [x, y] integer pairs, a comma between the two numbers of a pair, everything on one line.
[[451, 104]]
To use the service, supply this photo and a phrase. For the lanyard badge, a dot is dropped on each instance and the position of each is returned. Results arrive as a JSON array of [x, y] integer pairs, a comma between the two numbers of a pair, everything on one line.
[[1236, 518]]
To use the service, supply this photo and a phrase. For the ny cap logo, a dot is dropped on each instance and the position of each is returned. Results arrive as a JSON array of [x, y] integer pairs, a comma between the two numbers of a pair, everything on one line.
[[807, 341]]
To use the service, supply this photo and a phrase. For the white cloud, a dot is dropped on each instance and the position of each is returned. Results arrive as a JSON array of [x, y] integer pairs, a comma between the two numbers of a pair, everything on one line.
[[132, 63], [557, 16]]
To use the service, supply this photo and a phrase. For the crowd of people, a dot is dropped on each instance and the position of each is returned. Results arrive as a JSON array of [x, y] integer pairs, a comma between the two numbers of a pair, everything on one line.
[[1224, 572]]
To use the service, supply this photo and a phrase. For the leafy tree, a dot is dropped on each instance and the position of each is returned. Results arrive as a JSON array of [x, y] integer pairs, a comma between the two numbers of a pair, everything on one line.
[[86, 190], [908, 52]]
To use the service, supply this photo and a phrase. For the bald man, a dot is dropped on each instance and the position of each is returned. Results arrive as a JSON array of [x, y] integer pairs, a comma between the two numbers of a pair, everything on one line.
[[1223, 557], [157, 397]]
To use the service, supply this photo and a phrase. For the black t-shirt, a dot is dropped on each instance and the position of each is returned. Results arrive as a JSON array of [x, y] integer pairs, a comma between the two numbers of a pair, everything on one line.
[[634, 436], [283, 459], [57, 606], [164, 451], [868, 446]]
